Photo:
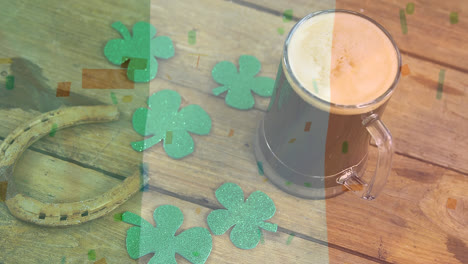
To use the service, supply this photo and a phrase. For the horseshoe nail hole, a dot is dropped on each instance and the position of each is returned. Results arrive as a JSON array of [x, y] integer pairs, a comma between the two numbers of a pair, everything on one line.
[[45, 119], [84, 214], [41, 216], [63, 217], [13, 140], [26, 129]]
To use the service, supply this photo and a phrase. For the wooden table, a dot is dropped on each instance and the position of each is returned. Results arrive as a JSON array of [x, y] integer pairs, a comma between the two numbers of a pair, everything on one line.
[[421, 217]]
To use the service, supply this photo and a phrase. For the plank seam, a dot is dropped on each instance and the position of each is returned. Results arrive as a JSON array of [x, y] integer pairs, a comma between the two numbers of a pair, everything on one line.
[[207, 204]]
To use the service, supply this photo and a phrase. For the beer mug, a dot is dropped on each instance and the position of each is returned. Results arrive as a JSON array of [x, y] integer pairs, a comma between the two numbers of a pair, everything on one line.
[[313, 147]]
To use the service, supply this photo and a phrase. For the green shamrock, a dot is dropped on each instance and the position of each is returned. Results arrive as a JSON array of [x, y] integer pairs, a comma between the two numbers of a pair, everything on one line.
[[141, 49], [193, 244], [239, 84], [247, 217], [164, 121]]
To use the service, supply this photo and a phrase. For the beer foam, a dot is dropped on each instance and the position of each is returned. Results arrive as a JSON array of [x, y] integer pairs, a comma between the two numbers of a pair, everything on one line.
[[342, 58]]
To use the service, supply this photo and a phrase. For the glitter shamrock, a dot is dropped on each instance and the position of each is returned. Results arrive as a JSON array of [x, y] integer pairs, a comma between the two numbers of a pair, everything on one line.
[[239, 84], [193, 244], [164, 121], [248, 217], [141, 50]]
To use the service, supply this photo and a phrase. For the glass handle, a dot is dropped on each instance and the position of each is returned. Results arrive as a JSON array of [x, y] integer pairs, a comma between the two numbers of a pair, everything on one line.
[[383, 139]]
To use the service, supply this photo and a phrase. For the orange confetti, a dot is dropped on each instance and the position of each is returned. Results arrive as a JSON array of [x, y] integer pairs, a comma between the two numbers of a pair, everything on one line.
[[63, 89], [101, 261], [231, 133], [3, 190], [451, 203], [307, 126], [292, 140], [198, 210], [405, 70]]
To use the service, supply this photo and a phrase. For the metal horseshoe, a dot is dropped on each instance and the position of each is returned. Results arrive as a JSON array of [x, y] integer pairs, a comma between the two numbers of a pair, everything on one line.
[[60, 214]]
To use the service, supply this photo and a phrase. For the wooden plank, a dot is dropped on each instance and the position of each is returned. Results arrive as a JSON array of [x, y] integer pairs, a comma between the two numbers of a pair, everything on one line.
[[414, 108], [219, 158], [429, 27], [397, 217], [51, 180], [416, 93]]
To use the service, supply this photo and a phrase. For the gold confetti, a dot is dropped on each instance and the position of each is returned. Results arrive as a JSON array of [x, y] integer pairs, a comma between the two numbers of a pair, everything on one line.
[[127, 99]]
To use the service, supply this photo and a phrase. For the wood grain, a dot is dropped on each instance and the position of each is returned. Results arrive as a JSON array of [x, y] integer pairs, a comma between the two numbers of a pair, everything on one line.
[[53, 180], [409, 223], [430, 35], [412, 111], [219, 158]]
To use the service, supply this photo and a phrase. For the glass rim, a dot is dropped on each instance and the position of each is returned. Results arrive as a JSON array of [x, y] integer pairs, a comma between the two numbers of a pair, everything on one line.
[[361, 106]]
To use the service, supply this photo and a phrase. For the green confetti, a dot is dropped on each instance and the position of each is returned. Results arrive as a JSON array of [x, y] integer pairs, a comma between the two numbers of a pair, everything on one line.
[[168, 139], [440, 84], [404, 26], [118, 217], [142, 49], [410, 8], [162, 116], [239, 85], [260, 168], [114, 98], [288, 183], [63, 260], [192, 37], [280, 30], [307, 184], [290, 238], [10, 82], [315, 86], [92, 254], [344, 147], [453, 18], [193, 244], [246, 217], [287, 15], [53, 130]]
